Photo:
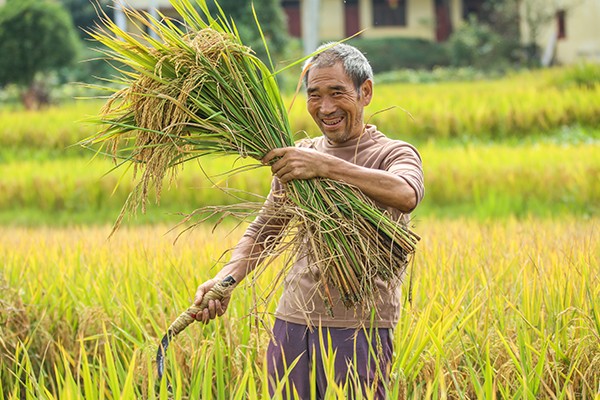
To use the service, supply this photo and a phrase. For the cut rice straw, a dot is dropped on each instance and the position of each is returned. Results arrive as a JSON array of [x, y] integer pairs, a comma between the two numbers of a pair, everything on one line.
[[200, 91]]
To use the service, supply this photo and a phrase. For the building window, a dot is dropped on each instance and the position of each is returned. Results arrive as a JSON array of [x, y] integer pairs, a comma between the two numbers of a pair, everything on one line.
[[560, 20], [389, 13]]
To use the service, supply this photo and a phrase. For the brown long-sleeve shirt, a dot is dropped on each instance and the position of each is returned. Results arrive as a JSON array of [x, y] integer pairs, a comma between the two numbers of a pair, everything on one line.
[[300, 301]]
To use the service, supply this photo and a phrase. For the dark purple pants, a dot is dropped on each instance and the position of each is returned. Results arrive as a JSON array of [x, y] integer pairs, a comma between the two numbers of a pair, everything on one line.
[[362, 359]]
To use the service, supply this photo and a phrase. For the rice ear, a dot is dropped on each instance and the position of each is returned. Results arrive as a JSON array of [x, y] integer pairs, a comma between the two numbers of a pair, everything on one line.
[[204, 92]]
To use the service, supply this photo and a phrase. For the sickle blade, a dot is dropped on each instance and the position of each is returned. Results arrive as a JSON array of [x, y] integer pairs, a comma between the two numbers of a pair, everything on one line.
[[160, 355]]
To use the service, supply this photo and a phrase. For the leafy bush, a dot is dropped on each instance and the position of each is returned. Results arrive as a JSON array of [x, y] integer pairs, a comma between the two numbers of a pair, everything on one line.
[[89, 66], [271, 18], [85, 13], [478, 46], [392, 53]]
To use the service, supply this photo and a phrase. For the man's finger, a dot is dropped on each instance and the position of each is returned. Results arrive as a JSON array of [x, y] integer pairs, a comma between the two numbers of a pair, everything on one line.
[[204, 316], [200, 292], [275, 153], [221, 310], [212, 312]]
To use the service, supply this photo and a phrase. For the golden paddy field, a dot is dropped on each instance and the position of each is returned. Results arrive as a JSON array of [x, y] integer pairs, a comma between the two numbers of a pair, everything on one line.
[[500, 309]]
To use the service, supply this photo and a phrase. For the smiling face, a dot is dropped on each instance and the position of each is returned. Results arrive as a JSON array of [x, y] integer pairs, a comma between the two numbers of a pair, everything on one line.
[[335, 104]]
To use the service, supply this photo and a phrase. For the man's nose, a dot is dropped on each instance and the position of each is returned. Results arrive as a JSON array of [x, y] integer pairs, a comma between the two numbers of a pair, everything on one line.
[[327, 105]]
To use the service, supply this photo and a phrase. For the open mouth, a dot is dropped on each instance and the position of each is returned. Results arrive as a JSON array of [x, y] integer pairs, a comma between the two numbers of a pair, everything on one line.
[[332, 121]]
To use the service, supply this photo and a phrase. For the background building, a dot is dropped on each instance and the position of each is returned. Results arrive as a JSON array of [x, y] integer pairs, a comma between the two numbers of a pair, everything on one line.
[[569, 34]]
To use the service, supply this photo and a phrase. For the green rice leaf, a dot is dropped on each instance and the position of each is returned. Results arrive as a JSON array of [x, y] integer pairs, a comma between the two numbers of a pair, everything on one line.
[[203, 92]]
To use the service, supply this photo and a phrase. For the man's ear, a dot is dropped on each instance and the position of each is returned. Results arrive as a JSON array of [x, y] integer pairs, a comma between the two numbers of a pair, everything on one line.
[[366, 92]]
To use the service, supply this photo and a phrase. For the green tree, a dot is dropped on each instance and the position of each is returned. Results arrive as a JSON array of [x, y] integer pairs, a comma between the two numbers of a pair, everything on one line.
[[85, 13], [36, 36], [90, 64], [477, 45], [272, 21]]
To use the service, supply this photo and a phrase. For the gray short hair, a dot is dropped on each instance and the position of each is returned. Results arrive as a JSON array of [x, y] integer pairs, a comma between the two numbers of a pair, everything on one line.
[[354, 62]]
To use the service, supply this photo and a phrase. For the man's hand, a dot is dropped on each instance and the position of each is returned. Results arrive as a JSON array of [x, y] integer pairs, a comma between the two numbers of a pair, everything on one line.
[[297, 163], [386, 188], [215, 307]]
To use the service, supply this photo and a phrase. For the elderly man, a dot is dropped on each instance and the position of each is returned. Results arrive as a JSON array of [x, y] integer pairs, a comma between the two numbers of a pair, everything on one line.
[[339, 85]]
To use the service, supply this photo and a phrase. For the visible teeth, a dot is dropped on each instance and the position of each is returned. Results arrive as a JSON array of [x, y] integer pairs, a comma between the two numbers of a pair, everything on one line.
[[332, 122]]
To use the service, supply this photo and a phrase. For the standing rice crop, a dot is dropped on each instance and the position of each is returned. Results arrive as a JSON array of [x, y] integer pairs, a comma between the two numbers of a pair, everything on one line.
[[198, 91]]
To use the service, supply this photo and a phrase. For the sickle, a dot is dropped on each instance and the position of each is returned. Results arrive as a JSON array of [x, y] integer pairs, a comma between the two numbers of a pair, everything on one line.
[[217, 292]]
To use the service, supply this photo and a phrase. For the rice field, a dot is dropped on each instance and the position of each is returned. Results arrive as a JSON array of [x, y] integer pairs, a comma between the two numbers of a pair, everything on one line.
[[494, 180], [500, 309], [505, 283], [517, 106], [523, 104]]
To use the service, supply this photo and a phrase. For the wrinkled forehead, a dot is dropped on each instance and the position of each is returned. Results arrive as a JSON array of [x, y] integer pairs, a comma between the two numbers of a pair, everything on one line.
[[324, 77], [334, 67]]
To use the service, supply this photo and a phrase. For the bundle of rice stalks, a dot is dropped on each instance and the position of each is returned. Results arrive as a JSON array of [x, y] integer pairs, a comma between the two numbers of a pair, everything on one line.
[[200, 91]]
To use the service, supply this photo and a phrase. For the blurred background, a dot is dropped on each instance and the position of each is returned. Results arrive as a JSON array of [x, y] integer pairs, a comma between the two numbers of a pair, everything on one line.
[[506, 89], [502, 100]]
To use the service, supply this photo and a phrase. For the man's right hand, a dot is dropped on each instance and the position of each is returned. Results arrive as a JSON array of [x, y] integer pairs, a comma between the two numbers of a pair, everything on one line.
[[215, 307]]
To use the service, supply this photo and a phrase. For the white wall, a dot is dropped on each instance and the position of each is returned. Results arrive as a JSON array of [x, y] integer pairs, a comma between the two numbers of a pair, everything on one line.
[[582, 40], [582, 26]]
